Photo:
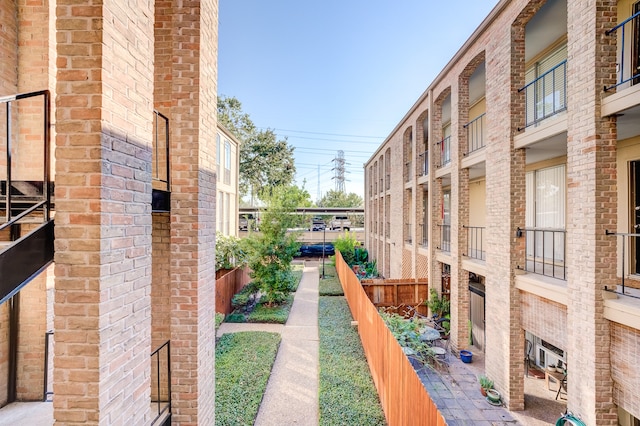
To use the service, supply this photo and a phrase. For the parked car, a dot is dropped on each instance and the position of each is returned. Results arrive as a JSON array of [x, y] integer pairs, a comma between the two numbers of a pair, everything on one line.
[[340, 222], [316, 249], [245, 220], [317, 224]]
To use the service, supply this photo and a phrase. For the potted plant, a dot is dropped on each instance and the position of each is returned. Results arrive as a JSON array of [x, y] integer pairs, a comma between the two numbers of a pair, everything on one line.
[[493, 396], [485, 383]]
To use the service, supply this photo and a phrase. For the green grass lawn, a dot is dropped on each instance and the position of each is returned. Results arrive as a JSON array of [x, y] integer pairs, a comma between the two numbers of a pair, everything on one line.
[[347, 393], [243, 366], [330, 284]]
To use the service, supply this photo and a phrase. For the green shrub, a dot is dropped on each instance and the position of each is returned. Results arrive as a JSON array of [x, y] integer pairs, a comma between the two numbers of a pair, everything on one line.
[[346, 244], [243, 363], [236, 317], [231, 251], [274, 314], [219, 319]]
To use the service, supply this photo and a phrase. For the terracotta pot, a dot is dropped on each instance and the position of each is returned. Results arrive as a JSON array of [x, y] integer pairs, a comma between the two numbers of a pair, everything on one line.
[[483, 391]]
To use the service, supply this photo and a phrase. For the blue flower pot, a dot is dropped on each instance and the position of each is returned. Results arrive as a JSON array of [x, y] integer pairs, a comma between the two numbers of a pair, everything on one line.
[[466, 356]]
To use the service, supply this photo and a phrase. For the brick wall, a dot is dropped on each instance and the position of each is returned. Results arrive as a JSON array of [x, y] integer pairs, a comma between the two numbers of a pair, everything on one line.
[[591, 206], [161, 280], [103, 213]]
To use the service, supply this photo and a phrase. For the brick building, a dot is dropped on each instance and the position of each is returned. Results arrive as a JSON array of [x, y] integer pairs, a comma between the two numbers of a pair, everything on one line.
[[124, 99], [513, 185]]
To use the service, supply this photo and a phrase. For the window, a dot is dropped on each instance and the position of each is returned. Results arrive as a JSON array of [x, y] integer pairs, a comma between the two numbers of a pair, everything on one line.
[[218, 153], [227, 162], [545, 215], [547, 96]]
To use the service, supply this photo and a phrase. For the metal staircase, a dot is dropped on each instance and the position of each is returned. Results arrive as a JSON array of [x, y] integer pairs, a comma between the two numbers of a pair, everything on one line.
[[26, 228]]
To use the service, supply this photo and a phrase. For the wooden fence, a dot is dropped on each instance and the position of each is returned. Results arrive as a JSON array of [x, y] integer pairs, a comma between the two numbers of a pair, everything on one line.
[[398, 293], [229, 283], [404, 399]]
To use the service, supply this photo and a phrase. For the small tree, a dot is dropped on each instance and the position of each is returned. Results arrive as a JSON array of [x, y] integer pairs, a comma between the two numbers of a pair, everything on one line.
[[273, 249], [346, 244]]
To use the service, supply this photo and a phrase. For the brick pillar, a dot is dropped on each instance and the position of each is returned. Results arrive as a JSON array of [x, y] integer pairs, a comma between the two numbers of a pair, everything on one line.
[[459, 214], [193, 64], [591, 208], [103, 213], [506, 207]]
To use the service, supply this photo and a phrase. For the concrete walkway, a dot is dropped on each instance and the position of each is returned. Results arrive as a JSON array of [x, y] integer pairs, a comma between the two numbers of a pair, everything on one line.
[[291, 396]]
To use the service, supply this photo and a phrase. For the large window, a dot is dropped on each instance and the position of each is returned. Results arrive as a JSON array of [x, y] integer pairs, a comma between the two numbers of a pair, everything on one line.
[[546, 200], [227, 162], [545, 91]]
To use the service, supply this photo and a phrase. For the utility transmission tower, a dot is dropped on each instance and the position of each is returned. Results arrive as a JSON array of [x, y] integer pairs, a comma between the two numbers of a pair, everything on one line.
[[339, 171]]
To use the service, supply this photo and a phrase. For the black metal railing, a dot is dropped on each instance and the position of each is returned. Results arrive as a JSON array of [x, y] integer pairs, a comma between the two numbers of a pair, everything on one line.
[[48, 345], [546, 95], [626, 72], [388, 182], [408, 171], [476, 132], [424, 233], [40, 197], [545, 251], [408, 232], [445, 151], [628, 240], [161, 151], [424, 163], [381, 185], [445, 238], [161, 380], [475, 242]]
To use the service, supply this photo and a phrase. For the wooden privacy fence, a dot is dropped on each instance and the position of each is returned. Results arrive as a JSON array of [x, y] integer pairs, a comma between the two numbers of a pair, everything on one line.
[[404, 399], [398, 293], [228, 283]]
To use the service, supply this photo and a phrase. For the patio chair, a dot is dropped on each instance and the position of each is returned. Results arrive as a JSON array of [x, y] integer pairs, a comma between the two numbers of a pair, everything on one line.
[[441, 350], [528, 346]]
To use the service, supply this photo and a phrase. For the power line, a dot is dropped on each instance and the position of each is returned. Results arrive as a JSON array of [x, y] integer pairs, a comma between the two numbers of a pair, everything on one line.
[[326, 134]]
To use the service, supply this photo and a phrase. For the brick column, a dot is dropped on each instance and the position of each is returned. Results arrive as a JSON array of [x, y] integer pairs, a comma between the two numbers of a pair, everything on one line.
[[506, 207], [193, 63], [459, 214], [103, 213], [591, 208]]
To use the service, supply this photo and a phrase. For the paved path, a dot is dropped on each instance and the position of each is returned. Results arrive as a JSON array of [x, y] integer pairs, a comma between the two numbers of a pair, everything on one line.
[[291, 397]]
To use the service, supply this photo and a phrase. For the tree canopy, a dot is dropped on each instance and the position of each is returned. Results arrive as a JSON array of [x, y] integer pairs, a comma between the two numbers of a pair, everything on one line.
[[265, 161], [340, 199]]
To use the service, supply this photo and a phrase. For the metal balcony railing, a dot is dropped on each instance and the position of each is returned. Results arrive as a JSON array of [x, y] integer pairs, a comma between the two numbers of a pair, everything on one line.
[[161, 380], [475, 242], [545, 251], [424, 163], [381, 185], [546, 95], [424, 233], [445, 238], [161, 151], [408, 233], [627, 72], [445, 151], [628, 240], [476, 133], [408, 171], [388, 182]]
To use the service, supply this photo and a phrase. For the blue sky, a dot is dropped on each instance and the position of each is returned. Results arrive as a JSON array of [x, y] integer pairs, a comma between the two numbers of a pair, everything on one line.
[[338, 74]]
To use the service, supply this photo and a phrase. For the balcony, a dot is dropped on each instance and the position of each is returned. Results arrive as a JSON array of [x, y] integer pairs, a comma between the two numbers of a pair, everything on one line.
[[381, 185], [546, 95], [628, 71], [545, 251], [388, 182], [445, 151], [387, 230], [476, 134], [445, 238], [408, 171], [424, 233], [423, 160], [408, 233], [629, 242], [475, 242]]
